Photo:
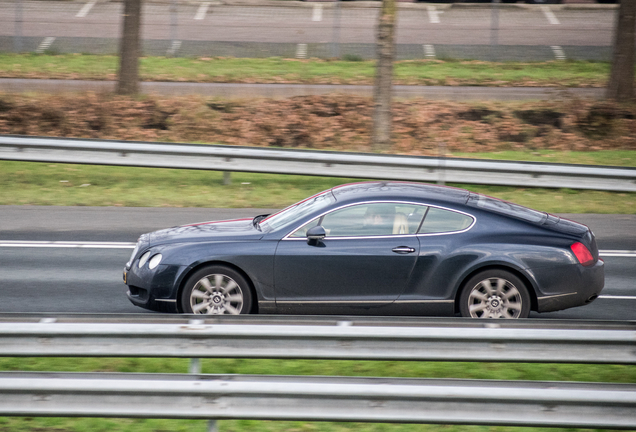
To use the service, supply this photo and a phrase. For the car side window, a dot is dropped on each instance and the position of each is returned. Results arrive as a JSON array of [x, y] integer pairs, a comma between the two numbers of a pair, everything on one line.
[[369, 219], [442, 221]]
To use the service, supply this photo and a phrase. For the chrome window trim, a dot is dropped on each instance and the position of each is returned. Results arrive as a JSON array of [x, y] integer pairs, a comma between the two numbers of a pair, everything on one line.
[[287, 237]]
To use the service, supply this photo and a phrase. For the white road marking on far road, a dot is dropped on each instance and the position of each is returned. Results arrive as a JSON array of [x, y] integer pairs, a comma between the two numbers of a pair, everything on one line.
[[433, 14], [558, 52], [174, 47], [617, 253], [429, 51], [203, 9], [317, 14], [617, 297], [86, 9], [46, 43], [551, 17], [301, 51], [66, 244]]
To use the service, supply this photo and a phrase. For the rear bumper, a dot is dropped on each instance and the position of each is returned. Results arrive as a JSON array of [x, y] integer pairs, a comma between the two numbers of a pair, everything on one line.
[[568, 287]]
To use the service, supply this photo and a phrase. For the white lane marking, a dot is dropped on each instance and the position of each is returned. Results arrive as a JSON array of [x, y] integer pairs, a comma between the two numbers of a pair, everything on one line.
[[433, 14], [65, 244], [86, 9], [617, 253], [301, 51], [173, 48], [429, 51], [617, 297], [317, 13], [46, 43], [558, 52], [203, 9], [550, 16]]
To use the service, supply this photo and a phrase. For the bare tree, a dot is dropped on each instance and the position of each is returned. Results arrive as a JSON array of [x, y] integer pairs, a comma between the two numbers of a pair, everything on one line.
[[382, 92], [129, 49], [621, 83]]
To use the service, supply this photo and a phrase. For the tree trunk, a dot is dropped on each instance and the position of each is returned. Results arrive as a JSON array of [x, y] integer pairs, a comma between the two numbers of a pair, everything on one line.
[[382, 92], [128, 83], [621, 83]]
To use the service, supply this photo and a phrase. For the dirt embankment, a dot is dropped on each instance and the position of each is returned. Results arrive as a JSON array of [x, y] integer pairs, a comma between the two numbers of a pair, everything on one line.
[[335, 122]]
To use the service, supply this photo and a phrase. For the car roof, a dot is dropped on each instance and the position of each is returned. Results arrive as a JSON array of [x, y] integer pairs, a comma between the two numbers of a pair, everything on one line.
[[390, 190]]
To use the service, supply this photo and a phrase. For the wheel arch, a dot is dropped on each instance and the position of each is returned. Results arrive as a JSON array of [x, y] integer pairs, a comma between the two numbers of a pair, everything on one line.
[[186, 276], [521, 275]]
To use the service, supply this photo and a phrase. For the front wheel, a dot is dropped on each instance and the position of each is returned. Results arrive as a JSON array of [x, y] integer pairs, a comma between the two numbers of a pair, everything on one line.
[[216, 290], [495, 294]]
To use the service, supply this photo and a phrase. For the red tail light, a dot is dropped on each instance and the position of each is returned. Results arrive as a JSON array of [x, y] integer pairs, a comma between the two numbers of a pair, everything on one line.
[[582, 254]]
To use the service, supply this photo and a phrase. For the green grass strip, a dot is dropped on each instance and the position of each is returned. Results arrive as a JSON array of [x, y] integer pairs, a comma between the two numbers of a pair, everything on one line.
[[84, 185], [311, 71]]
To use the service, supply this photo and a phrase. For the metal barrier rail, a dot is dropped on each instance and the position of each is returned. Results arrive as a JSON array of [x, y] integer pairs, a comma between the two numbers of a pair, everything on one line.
[[516, 403], [259, 338], [197, 396], [319, 163]]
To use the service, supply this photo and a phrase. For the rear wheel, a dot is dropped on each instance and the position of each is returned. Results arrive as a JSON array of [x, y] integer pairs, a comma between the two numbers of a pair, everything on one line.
[[216, 290], [495, 294]]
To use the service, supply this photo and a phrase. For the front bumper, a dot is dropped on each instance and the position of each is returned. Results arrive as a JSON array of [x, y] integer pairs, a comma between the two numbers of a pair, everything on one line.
[[154, 289]]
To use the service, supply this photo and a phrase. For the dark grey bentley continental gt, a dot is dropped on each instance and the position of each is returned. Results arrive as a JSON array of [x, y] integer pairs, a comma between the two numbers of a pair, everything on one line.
[[382, 248]]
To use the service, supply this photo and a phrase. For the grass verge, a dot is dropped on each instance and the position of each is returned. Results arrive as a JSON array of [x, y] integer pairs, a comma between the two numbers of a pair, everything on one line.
[[311, 71], [84, 185]]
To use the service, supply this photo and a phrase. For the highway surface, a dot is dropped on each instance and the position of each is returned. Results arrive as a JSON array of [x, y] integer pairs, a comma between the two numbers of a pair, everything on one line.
[[84, 274], [313, 29]]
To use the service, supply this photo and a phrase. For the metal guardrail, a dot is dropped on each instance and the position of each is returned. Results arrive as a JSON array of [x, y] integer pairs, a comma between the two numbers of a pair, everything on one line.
[[349, 339], [588, 405], [446, 401], [319, 163]]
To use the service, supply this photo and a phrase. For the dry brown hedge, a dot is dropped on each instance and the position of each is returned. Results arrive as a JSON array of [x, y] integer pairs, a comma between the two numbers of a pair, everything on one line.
[[335, 122]]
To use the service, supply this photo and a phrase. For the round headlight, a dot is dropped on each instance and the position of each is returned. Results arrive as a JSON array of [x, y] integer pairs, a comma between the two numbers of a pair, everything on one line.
[[154, 261], [143, 259]]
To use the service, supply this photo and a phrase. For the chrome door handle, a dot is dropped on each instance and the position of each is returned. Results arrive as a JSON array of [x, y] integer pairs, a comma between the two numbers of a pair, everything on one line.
[[403, 250]]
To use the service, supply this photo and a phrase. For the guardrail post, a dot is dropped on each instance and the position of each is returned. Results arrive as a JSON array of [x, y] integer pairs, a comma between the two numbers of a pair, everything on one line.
[[195, 369], [441, 150], [227, 178]]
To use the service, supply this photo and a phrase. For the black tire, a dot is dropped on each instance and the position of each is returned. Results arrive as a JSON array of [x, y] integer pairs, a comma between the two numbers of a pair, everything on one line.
[[216, 290], [543, 1], [494, 294]]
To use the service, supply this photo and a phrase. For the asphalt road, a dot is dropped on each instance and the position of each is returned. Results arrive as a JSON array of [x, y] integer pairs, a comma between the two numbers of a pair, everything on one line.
[[82, 279], [266, 29]]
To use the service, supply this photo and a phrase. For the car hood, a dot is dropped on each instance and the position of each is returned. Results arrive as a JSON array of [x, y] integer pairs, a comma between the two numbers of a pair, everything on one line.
[[230, 230]]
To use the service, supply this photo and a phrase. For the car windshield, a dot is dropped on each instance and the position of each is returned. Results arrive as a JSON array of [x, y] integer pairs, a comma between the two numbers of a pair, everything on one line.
[[299, 210], [506, 208]]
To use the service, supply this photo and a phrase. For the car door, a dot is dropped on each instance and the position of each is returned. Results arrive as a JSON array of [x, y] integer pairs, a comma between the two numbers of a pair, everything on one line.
[[361, 263]]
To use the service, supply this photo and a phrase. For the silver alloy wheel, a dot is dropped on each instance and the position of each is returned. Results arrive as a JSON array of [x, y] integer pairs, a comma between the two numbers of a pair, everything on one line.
[[495, 298], [216, 294]]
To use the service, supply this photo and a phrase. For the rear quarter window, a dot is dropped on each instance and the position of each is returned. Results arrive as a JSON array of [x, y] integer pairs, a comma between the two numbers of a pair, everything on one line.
[[439, 220]]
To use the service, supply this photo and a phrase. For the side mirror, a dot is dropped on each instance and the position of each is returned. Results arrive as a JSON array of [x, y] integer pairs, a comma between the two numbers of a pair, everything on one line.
[[315, 234]]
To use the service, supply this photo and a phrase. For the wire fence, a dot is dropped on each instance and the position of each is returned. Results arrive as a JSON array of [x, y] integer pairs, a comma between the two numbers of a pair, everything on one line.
[[294, 29]]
